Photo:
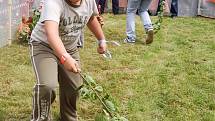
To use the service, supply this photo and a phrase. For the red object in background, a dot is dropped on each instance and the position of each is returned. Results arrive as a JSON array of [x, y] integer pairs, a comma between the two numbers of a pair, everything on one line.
[[212, 1], [24, 25], [123, 3]]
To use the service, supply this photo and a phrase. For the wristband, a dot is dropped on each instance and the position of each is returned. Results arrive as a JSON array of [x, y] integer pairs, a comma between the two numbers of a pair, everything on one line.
[[101, 41], [63, 58]]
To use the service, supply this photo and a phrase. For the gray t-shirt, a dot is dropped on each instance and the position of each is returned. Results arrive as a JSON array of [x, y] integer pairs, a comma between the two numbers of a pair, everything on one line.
[[71, 20]]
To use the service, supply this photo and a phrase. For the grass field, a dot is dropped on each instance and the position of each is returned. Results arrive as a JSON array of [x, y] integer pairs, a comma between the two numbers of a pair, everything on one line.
[[173, 79]]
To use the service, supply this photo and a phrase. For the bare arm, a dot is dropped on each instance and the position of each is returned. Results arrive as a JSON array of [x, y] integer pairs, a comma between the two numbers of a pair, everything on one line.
[[96, 29], [51, 28]]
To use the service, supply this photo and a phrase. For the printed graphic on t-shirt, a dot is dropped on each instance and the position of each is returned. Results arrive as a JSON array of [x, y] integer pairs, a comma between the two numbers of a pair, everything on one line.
[[70, 27]]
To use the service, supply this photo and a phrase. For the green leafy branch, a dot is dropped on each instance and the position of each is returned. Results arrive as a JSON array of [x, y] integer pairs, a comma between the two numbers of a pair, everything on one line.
[[24, 34], [91, 90], [157, 24], [35, 17]]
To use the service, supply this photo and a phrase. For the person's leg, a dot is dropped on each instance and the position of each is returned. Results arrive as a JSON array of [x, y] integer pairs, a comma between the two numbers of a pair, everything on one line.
[[70, 84], [144, 15], [45, 67], [147, 24], [97, 2], [174, 8], [115, 6], [130, 20], [102, 4]]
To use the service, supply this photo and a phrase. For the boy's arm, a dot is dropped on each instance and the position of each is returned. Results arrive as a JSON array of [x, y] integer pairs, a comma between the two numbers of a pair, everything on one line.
[[51, 28], [95, 27]]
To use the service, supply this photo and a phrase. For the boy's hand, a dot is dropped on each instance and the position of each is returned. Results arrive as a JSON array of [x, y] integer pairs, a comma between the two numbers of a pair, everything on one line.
[[100, 20], [71, 64], [102, 47]]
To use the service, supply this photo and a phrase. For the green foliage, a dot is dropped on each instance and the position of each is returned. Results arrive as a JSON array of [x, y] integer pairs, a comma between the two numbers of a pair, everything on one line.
[[91, 90], [101, 117], [110, 105], [35, 17], [24, 35], [119, 119], [157, 24]]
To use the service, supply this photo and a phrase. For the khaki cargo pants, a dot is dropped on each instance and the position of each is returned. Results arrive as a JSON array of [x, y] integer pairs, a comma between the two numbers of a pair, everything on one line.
[[49, 72]]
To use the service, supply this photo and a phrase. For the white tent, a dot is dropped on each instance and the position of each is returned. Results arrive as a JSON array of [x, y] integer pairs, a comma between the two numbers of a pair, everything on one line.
[[206, 8], [196, 7], [190, 7], [187, 7]]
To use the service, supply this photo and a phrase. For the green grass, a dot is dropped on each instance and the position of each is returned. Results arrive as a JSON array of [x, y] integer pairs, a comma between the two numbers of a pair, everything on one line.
[[173, 79]]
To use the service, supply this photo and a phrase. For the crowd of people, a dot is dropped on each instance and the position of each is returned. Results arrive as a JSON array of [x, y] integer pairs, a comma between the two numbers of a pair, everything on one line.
[[171, 10], [103, 3]]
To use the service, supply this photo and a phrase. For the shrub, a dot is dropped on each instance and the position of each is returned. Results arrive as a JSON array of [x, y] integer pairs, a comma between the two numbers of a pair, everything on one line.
[[26, 26]]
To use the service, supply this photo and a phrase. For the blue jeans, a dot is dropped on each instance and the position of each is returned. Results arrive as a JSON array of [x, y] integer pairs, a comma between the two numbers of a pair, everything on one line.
[[115, 6], [174, 8], [142, 7]]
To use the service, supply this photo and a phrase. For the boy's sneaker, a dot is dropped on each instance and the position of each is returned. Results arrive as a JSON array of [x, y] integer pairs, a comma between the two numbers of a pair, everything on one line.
[[128, 40], [149, 38]]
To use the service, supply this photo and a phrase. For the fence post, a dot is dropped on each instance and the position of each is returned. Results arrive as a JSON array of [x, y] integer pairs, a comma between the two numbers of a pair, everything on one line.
[[10, 21]]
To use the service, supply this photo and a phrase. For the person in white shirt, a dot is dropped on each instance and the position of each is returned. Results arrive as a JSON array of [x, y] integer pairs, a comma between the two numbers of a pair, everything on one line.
[[55, 56]]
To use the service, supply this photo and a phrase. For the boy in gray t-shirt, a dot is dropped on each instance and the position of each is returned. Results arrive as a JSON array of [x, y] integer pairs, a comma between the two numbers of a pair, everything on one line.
[[55, 57]]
